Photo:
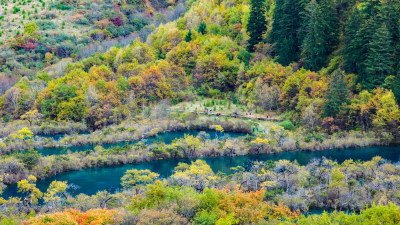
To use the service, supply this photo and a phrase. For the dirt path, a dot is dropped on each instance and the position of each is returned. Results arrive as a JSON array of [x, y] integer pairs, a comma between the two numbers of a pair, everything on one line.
[[232, 116]]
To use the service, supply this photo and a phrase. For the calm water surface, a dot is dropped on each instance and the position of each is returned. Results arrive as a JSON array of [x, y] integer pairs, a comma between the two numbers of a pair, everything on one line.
[[93, 180]]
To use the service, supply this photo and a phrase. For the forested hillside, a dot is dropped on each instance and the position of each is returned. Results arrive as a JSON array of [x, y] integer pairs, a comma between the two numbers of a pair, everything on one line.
[[321, 63], [36, 35], [84, 83]]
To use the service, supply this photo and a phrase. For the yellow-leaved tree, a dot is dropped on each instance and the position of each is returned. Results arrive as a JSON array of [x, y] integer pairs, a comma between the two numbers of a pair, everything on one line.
[[137, 179], [217, 128], [198, 175], [55, 193], [28, 187]]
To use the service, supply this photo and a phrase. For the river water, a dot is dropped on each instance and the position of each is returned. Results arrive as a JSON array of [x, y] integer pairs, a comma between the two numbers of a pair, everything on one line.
[[93, 180]]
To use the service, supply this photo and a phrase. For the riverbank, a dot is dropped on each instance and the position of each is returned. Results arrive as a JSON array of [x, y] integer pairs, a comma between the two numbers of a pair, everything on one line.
[[128, 131], [45, 128], [291, 178], [189, 147], [166, 137]]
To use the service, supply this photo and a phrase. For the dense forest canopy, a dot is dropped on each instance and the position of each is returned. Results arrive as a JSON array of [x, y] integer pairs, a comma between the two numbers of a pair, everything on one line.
[[334, 63]]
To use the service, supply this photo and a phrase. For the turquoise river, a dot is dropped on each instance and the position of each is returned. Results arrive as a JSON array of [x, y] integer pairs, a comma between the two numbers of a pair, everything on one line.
[[93, 180]]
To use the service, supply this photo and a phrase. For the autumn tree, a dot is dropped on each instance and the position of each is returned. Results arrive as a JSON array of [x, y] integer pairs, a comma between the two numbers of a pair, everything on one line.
[[286, 169], [217, 128], [216, 71], [387, 115], [24, 133], [2, 187], [269, 96], [12, 98], [260, 144], [55, 193], [137, 179], [28, 187], [30, 30], [188, 145], [198, 175], [118, 21], [74, 216], [32, 116], [337, 181], [48, 57], [310, 115], [250, 207]]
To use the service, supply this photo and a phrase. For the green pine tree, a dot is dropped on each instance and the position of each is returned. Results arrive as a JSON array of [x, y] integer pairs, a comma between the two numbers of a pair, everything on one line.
[[379, 61], [371, 39], [391, 11], [188, 37], [396, 87], [360, 47], [351, 49], [285, 34], [360, 27], [321, 37], [312, 44], [202, 28], [257, 23], [336, 95]]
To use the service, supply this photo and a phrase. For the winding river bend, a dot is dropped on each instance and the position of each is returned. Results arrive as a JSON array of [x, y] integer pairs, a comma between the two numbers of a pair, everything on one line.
[[93, 180]]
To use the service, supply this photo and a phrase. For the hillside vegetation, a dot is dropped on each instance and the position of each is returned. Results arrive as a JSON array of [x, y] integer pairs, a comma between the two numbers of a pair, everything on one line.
[[327, 71], [37, 34], [215, 50]]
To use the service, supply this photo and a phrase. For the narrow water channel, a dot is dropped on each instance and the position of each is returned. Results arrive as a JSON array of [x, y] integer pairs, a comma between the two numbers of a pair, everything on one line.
[[167, 138], [93, 180]]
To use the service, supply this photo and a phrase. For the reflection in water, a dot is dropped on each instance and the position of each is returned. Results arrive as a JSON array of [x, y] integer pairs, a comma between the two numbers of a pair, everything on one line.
[[95, 179]]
